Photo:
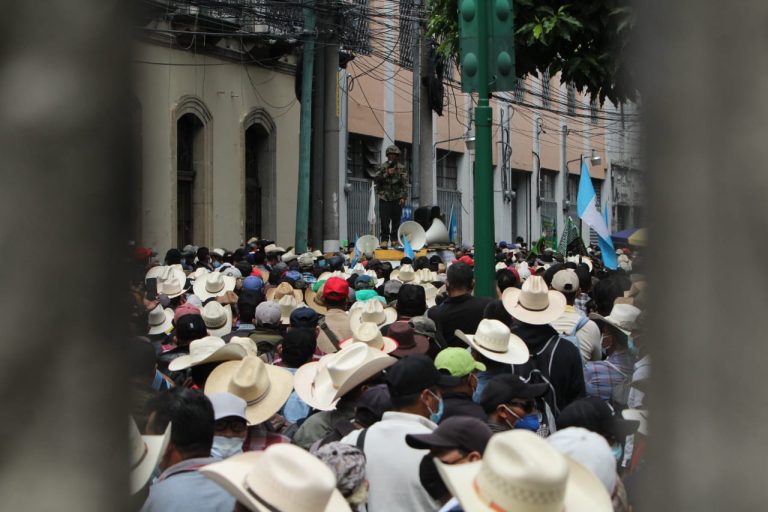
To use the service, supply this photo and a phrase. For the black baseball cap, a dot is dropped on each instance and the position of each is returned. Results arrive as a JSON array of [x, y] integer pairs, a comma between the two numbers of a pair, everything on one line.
[[504, 388], [190, 328], [463, 432], [304, 317], [413, 374], [597, 415]]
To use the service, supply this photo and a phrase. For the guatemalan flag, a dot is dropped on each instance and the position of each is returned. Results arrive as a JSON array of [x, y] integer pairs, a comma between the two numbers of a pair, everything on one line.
[[586, 203]]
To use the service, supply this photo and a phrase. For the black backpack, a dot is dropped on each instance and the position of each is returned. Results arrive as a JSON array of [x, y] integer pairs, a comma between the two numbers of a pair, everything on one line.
[[537, 370]]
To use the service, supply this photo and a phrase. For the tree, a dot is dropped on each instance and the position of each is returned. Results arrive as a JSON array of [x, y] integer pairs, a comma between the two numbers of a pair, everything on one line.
[[585, 40]]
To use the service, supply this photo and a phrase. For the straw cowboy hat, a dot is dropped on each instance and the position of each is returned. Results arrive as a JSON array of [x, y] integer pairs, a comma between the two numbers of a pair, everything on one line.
[[272, 248], [521, 472], [213, 284], [160, 320], [370, 334], [336, 273], [405, 274], [145, 453], [424, 275], [289, 256], [534, 303], [155, 272], [493, 339], [283, 289], [315, 300], [581, 259], [283, 477], [623, 317], [287, 304], [172, 287], [246, 343], [217, 318], [198, 273], [321, 383], [430, 293], [207, 350], [371, 311], [265, 388]]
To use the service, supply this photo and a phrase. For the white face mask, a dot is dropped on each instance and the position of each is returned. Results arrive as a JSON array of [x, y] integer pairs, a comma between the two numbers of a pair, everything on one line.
[[224, 447]]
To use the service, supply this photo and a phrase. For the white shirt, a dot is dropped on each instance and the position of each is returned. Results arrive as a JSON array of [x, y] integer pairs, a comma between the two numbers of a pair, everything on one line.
[[392, 467], [588, 335]]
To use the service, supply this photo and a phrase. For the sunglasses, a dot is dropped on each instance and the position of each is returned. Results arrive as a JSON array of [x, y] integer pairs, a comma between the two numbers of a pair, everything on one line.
[[233, 425]]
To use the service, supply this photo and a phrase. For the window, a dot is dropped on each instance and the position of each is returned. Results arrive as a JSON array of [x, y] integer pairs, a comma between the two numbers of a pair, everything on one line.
[[363, 155], [593, 111], [571, 99], [188, 161], [519, 90], [548, 184], [447, 170], [545, 89]]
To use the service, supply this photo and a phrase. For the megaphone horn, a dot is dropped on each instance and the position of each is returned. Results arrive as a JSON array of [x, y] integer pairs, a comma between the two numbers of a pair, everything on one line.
[[367, 244], [437, 233], [416, 235]]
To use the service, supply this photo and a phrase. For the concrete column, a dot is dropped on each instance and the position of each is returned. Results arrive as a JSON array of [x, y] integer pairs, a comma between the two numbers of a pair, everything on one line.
[[64, 208]]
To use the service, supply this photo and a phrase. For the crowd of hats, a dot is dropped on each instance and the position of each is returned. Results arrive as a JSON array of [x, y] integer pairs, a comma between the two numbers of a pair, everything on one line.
[[218, 321]]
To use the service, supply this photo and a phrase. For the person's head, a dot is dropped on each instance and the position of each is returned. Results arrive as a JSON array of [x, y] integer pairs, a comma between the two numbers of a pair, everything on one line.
[[495, 310], [173, 257], [414, 386], [612, 339], [460, 279], [297, 347], [597, 415], [508, 400], [304, 318], [336, 293], [458, 362], [392, 153], [505, 278], [372, 404], [203, 255], [231, 425], [411, 301], [192, 424], [420, 263], [457, 440], [189, 328], [246, 305], [566, 281], [585, 277], [268, 313], [607, 290]]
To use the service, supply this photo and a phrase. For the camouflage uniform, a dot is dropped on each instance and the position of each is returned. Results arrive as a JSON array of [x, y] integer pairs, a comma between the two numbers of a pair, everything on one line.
[[391, 189]]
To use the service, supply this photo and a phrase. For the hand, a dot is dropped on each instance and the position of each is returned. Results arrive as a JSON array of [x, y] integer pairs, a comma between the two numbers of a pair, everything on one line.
[[402, 202], [390, 171], [278, 422]]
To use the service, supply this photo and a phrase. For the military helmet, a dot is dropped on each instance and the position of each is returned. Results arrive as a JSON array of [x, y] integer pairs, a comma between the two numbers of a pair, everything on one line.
[[393, 149]]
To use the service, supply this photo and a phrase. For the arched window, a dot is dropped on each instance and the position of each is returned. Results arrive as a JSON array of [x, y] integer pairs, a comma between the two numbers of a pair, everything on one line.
[[259, 175], [194, 183]]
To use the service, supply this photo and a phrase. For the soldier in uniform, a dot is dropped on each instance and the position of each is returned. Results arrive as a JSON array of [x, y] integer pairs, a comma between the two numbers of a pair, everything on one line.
[[392, 186]]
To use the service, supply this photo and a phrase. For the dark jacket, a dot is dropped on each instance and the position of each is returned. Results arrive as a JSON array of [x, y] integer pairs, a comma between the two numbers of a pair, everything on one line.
[[459, 404], [566, 375], [463, 312]]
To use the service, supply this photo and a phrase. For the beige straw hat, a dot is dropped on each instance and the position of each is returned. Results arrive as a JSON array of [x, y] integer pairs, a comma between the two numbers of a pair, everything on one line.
[[535, 303], [145, 453], [370, 334], [371, 311], [207, 350], [494, 340]]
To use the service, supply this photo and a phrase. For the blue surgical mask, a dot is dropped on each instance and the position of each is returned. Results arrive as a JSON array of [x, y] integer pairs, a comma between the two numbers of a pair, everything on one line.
[[617, 451], [436, 416], [224, 447], [528, 422], [216, 264]]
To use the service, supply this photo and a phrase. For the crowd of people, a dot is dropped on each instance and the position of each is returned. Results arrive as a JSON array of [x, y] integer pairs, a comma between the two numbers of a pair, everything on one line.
[[266, 380]]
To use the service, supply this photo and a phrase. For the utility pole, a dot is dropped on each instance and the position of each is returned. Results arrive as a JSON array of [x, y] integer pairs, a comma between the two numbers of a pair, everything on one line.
[[426, 186], [416, 108], [487, 63], [305, 130], [331, 188], [318, 150]]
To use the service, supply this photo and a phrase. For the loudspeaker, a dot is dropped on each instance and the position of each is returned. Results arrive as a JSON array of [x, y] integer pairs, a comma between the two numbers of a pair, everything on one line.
[[416, 235], [437, 234], [367, 244]]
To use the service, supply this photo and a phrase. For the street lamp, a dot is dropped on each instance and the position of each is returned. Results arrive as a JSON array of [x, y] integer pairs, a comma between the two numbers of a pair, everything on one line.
[[594, 160], [469, 140]]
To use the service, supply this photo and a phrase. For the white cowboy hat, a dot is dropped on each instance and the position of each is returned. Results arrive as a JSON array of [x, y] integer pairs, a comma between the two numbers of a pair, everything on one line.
[[217, 318], [289, 256], [281, 290], [372, 274], [213, 284], [370, 311], [287, 304], [500, 266], [145, 454], [369, 333], [424, 275], [639, 415], [155, 272], [520, 472], [321, 383], [307, 259], [535, 303], [198, 273], [336, 273], [273, 248], [523, 270], [265, 388], [430, 292], [160, 320], [283, 477], [623, 317], [207, 350], [493, 339], [317, 253], [405, 274], [246, 343], [581, 259], [358, 269], [171, 287]]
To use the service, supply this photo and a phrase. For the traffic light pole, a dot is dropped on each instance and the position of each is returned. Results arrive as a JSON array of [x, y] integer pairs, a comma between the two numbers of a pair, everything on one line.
[[305, 130], [484, 228]]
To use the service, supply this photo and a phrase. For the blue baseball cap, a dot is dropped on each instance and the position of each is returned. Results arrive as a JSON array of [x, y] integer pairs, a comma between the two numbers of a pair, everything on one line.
[[253, 283], [304, 317]]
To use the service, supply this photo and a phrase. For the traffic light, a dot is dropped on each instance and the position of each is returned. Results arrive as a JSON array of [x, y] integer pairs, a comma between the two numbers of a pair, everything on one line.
[[498, 27]]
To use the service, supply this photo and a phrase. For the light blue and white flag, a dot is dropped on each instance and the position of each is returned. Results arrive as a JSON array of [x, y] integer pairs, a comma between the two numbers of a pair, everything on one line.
[[586, 204], [372, 209], [453, 225]]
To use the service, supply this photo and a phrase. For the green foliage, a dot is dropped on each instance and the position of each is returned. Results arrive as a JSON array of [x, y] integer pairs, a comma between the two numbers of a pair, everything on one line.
[[585, 40]]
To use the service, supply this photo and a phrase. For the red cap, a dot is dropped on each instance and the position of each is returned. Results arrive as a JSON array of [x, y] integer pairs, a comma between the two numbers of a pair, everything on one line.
[[469, 261], [142, 253], [185, 309], [336, 288]]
